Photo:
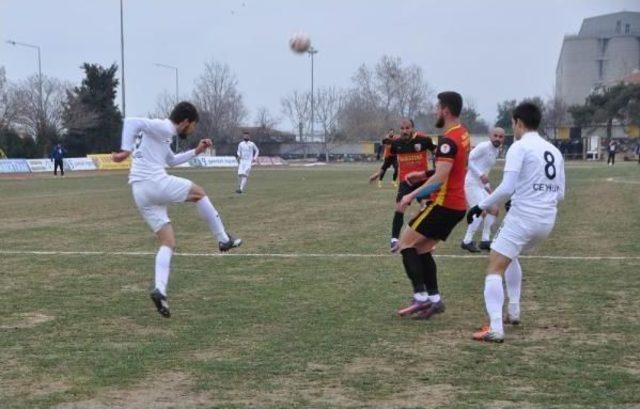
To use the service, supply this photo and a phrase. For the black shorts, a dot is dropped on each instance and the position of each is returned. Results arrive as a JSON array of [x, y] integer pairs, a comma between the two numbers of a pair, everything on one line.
[[436, 222], [388, 162]]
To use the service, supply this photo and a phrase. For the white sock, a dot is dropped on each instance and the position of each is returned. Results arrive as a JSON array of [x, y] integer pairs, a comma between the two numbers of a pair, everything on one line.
[[434, 298], [513, 278], [471, 230], [211, 216], [486, 230], [493, 299], [243, 183], [421, 297], [163, 266]]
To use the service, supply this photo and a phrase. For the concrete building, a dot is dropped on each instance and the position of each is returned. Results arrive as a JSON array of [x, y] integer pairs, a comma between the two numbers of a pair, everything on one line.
[[606, 50]]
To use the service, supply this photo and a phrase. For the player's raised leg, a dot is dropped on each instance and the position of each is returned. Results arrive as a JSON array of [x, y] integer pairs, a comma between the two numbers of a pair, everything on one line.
[[211, 216]]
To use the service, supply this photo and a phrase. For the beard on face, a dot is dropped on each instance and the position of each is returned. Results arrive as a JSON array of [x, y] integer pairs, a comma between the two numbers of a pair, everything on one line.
[[440, 122], [182, 135], [496, 143]]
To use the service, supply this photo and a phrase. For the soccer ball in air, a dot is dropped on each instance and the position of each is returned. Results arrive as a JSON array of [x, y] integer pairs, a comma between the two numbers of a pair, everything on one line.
[[300, 43]]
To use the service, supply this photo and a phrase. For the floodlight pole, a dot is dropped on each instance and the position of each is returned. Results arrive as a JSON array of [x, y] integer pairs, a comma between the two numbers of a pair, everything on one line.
[[37, 48], [124, 108], [177, 90], [312, 51]]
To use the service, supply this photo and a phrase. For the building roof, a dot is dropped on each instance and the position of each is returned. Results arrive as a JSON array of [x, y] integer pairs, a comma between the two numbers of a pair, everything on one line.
[[633, 78], [604, 25]]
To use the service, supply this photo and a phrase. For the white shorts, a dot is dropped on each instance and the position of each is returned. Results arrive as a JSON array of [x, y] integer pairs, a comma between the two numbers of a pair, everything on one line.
[[516, 236], [152, 198], [474, 193], [244, 167]]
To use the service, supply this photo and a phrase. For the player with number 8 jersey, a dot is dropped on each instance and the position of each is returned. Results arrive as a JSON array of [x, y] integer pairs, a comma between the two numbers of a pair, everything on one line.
[[534, 180]]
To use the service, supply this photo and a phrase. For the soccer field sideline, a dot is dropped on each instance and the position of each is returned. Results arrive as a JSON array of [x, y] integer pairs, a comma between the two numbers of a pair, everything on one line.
[[300, 255]]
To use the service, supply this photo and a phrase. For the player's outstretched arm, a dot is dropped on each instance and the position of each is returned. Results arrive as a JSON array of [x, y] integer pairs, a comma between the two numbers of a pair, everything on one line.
[[441, 175], [256, 153], [416, 177], [502, 194], [177, 159], [120, 156]]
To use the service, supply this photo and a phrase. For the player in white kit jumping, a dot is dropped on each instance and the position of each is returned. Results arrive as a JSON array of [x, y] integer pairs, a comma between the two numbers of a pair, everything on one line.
[[149, 143], [534, 180], [247, 155], [476, 187]]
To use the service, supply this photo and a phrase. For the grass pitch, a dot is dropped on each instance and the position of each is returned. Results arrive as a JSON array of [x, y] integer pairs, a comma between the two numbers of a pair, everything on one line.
[[311, 327]]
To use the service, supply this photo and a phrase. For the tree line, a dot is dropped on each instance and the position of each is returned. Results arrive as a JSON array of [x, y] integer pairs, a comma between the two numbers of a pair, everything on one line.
[[86, 119]]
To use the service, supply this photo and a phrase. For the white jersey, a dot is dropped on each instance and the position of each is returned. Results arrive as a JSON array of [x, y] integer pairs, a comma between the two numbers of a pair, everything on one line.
[[149, 140], [481, 159], [541, 181], [247, 151]]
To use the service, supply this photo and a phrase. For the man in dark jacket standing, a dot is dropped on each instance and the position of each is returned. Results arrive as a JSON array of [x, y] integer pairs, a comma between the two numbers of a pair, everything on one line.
[[57, 154]]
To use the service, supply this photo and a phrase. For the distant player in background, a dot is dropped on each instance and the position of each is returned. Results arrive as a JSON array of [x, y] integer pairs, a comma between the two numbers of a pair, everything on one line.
[[476, 186], [247, 154], [411, 149], [534, 182], [612, 149], [389, 159], [57, 156], [149, 140], [437, 220]]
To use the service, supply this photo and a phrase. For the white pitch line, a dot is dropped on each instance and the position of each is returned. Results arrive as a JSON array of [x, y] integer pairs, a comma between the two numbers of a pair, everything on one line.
[[292, 255]]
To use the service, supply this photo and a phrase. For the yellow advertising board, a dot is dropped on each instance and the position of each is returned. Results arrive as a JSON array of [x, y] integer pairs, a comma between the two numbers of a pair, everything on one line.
[[103, 161], [633, 131], [368, 148], [564, 134]]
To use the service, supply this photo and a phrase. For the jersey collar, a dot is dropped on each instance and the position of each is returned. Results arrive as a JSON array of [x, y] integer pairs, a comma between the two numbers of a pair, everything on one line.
[[452, 128], [530, 134]]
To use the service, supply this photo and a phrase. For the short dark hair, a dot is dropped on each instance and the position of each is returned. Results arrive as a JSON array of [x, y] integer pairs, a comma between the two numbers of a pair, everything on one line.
[[529, 113], [451, 100], [408, 120], [184, 110]]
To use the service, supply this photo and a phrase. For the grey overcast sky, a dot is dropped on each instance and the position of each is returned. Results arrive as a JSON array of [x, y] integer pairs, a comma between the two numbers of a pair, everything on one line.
[[488, 50]]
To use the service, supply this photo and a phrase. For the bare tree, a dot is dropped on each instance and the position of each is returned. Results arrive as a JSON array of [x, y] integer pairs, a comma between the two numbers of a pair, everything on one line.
[[164, 105], [329, 105], [36, 121], [382, 95], [297, 108], [8, 107], [557, 112], [219, 101], [265, 120]]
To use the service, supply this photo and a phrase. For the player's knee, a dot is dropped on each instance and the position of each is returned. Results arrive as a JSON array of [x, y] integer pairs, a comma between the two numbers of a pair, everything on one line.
[[196, 193], [169, 243]]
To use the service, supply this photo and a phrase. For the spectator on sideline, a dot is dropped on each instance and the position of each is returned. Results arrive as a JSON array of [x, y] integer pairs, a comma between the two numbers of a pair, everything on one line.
[[57, 156]]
